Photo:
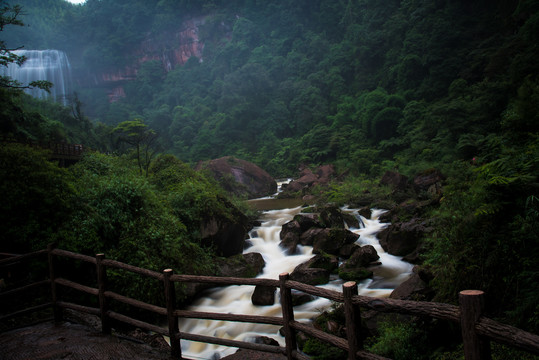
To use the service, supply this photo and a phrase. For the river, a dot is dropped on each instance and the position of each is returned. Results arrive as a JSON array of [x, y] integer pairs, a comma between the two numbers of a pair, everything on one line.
[[237, 299]]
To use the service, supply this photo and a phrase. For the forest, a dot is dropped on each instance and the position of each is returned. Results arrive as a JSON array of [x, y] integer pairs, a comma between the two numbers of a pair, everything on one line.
[[369, 86]]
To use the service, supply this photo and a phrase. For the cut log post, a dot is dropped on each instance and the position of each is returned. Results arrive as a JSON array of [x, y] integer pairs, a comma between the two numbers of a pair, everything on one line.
[[57, 310], [173, 327], [471, 308], [353, 320], [288, 316], [102, 287]]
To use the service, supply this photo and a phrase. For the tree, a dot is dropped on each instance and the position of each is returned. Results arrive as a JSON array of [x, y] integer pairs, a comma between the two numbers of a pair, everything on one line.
[[137, 134], [9, 16]]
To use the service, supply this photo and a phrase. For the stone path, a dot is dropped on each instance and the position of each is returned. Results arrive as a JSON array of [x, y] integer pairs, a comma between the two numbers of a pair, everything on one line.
[[47, 341], [71, 341]]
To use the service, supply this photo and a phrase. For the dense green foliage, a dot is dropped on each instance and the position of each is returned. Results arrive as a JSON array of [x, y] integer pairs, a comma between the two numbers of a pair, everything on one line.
[[366, 85]]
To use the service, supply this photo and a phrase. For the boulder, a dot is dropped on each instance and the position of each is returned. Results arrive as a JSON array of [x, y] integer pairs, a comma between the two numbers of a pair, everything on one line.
[[307, 221], [365, 211], [322, 175], [245, 265], [300, 298], [363, 256], [401, 239], [355, 268], [225, 235], [290, 243], [395, 180], [347, 250], [325, 173], [331, 217], [415, 288], [311, 276], [308, 237], [263, 295], [331, 240], [430, 180], [291, 227], [351, 221], [240, 177], [315, 271], [303, 182]]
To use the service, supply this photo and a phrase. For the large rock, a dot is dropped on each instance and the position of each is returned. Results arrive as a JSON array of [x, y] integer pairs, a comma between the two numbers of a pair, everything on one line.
[[263, 295], [240, 177], [331, 217], [316, 270], [395, 180], [415, 288], [331, 240], [403, 238], [363, 256], [312, 276], [226, 235], [429, 181], [321, 176], [356, 267]]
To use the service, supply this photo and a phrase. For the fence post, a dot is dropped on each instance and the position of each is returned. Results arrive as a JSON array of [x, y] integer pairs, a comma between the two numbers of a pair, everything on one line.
[[288, 315], [102, 286], [353, 318], [57, 311], [471, 307], [173, 328]]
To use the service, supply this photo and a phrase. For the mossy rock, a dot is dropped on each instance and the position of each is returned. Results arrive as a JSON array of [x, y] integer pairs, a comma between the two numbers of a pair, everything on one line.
[[356, 274]]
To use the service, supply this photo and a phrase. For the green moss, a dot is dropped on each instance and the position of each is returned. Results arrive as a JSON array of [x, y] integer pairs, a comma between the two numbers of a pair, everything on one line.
[[319, 350], [355, 274]]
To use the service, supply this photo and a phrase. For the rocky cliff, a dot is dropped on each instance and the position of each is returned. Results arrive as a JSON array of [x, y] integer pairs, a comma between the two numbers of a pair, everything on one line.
[[171, 49]]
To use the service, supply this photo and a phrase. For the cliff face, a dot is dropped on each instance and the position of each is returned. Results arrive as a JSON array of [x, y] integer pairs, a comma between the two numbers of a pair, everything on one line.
[[172, 49], [175, 48]]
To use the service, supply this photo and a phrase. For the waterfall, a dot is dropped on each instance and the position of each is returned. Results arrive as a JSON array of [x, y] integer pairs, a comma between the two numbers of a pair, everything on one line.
[[50, 65], [237, 299]]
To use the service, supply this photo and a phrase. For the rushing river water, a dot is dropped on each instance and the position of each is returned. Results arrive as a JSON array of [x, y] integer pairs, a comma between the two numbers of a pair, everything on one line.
[[237, 299]]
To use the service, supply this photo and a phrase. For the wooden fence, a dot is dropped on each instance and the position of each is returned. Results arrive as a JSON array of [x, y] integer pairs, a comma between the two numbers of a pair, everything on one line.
[[65, 153], [477, 330]]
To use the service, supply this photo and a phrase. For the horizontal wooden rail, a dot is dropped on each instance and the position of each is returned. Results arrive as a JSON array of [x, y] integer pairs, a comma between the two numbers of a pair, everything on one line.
[[316, 291], [233, 343], [508, 335], [122, 266], [421, 308], [26, 311], [72, 255], [320, 335], [22, 289], [76, 286], [224, 280], [24, 257], [77, 307], [270, 320], [136, 303], [137, 323]]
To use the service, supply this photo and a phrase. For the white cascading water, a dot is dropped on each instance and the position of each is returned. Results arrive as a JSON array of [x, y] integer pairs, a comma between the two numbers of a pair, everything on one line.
[[237, 299], [49, 65]]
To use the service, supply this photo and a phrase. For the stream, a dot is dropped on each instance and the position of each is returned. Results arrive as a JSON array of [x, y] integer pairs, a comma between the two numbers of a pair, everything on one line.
[[237, 299]]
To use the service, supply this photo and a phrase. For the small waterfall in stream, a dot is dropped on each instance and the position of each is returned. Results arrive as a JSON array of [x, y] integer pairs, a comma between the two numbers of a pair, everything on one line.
[[237, 299], [50, 65]]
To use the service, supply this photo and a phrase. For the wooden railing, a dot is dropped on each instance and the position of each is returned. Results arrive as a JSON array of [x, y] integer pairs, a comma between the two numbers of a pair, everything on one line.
[[477, 330], [59, 150]]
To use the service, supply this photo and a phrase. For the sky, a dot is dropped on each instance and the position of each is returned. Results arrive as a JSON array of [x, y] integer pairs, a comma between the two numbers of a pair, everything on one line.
[[76, 1]]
